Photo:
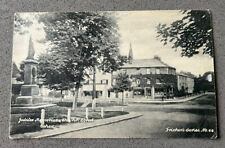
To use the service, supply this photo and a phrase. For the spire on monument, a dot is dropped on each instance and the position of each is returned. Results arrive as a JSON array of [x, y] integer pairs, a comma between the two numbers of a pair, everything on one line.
[[31, 50], [130, 56]]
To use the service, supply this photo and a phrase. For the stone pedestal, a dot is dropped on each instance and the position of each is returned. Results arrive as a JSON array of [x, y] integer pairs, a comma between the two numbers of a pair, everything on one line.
[[29, 100], [29, 90], [29, 95]]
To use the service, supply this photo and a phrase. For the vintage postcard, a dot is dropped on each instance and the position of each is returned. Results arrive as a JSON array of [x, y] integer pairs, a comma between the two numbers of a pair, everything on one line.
[[113, 74]]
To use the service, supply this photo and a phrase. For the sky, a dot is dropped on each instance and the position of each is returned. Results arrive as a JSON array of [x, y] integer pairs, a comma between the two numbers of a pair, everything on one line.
[[137, 28]]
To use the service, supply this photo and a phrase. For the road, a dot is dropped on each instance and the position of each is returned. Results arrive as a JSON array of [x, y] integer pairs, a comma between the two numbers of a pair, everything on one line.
[[160, 121]]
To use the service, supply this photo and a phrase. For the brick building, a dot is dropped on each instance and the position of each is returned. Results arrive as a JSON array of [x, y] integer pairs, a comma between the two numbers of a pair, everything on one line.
[[150, 78]]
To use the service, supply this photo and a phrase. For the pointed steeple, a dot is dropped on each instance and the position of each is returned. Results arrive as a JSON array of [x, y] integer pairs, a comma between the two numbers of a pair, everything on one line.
[[31, 50], [130, 55]]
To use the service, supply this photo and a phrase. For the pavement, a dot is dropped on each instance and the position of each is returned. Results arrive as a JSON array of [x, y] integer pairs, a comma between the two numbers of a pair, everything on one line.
[[166, 101], [62, 129]]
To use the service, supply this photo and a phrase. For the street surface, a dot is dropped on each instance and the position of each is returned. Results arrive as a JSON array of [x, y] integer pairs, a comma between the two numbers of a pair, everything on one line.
[[196, 117]]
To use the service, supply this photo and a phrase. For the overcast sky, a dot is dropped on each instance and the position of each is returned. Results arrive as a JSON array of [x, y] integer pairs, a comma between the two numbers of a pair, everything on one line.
[[137, 28]]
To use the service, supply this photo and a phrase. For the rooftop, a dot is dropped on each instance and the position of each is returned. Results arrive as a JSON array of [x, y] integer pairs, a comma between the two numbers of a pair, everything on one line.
[[155, 62], [186, 74]]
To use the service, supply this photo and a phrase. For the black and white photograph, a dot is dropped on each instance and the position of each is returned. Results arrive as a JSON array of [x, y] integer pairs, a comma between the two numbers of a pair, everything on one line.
[[113, 74]]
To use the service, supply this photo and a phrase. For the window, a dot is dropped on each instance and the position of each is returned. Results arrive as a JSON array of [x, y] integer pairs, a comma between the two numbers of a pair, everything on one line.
[[148, 71], [157, 81], [152, 70], [114, 81], [138, 81], [173, 72], [157, 71], [163, 70], [124, 70], [148, 81], [105, 81]]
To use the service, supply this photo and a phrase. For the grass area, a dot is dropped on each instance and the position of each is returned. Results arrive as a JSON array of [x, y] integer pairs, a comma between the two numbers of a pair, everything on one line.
[[61, 112], [98, 104], [108, 104], [68, 104]]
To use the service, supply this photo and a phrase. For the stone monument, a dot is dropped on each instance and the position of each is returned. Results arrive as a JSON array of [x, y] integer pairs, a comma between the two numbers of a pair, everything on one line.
[[30, 89]]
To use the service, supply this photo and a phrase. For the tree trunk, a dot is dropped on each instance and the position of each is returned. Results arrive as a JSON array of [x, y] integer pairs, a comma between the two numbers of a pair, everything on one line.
[[122, 97], [75, 99], [61, 95], [94, 89]]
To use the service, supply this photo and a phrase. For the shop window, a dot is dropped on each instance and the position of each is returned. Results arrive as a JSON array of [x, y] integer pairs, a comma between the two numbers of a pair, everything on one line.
[[157, 81]]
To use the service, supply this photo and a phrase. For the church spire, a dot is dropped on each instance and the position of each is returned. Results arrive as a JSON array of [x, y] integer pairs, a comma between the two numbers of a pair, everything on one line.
[[130, 56]]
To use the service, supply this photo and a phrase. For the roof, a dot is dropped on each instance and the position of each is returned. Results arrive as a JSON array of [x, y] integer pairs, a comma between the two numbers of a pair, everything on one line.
[[136, 63], [186, 74]]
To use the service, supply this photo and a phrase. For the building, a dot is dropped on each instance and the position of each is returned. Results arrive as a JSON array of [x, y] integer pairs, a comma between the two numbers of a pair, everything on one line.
[[151, 78], [185, 83], [103, 85]]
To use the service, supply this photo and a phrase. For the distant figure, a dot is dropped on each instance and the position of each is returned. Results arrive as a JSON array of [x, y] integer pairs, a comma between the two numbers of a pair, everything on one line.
[[31, 50], [163, 95]]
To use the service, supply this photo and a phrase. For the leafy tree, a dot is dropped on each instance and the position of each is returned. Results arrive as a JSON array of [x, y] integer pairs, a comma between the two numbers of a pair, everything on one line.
[[80, 42], [122, 83], [204, 84], [51, 74], [21, 73], [192, 34]]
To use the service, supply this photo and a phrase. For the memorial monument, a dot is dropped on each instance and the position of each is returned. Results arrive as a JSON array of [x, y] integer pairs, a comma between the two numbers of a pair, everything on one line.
[[30, 89]]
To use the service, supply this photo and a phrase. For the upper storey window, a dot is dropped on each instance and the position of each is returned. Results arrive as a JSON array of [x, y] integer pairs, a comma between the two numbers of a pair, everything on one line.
[[157, 70], [171, 71], [163, 71], [152, 70]]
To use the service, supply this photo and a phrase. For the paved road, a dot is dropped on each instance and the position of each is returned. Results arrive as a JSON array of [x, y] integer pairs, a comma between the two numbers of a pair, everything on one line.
[[157, 119]]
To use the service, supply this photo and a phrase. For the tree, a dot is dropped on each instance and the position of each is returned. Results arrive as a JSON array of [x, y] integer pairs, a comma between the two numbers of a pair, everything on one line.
[[122, 83], [205, 83], [51, 74], [192, 34], [21, 73], [81, 42]]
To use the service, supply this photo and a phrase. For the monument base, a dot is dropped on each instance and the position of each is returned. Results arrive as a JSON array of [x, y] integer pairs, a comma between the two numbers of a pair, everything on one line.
[[29, 90], [29, 100]]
